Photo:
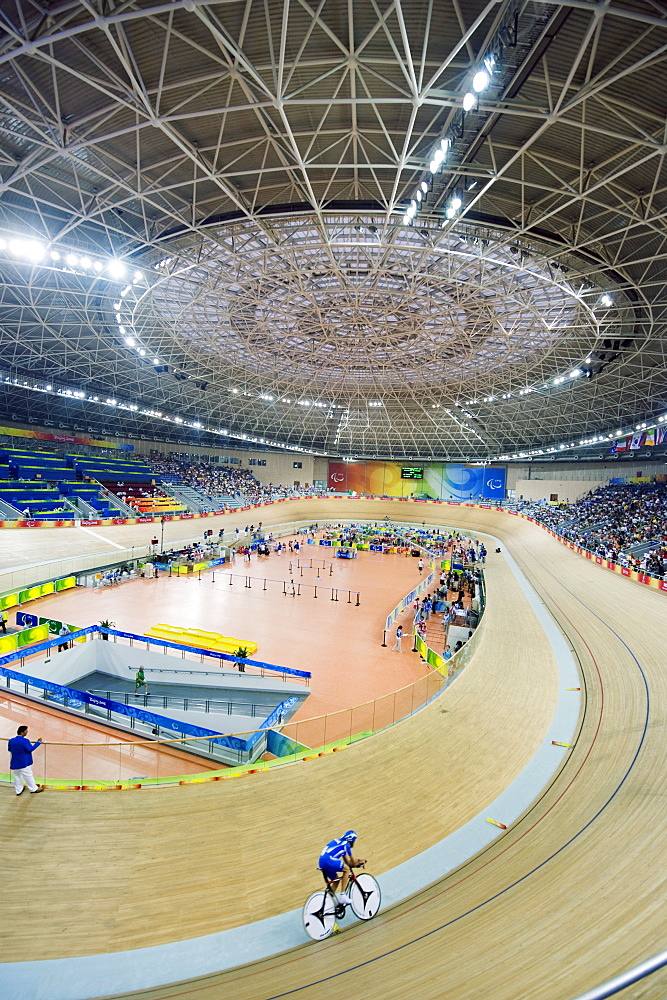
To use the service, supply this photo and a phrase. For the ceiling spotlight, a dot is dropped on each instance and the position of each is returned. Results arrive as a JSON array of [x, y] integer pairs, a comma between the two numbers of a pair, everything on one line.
[[130, 341], [137, 276], [490, 62], [450, 213], [116, 269], [86, 262], [97, 265], [419, 195], [424, 187], [438, 156], [26, 248], [480, 81], [469, 101], [72, 259], [456, 202], [607, 300], [55, 255]]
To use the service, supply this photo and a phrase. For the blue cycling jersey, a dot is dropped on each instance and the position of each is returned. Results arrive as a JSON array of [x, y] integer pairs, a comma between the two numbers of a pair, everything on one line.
[[335, 850]]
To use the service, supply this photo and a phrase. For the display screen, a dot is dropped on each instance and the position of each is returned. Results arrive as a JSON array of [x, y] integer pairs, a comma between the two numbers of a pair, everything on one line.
[[412, 472]]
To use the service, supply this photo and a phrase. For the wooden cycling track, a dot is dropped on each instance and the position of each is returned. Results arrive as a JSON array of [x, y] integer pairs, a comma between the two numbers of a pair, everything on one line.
[[572, 894]]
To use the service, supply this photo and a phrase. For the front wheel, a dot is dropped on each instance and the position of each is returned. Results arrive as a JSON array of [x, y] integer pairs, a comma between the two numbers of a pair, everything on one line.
[[319, 915], [365, 895]]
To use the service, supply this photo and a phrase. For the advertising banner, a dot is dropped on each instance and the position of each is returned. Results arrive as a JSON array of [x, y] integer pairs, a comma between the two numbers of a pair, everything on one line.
[[62, 438], [431, 480]]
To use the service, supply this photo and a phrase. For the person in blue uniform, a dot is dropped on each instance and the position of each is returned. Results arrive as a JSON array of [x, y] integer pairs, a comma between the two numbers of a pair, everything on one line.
[[20, 764], [336, 860]]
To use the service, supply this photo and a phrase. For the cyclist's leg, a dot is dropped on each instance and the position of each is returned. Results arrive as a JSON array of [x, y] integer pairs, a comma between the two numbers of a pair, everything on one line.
[[345, 880], [334, 876]]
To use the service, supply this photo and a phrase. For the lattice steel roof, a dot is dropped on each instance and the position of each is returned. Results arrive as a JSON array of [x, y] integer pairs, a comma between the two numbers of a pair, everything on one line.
[[251, 164]]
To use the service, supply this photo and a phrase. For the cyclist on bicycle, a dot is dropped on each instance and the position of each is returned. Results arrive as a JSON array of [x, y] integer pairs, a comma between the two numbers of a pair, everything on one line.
[[336, 861]]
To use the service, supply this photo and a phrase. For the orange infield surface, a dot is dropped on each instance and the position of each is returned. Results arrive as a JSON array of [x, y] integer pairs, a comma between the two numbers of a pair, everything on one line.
[[338, 642]]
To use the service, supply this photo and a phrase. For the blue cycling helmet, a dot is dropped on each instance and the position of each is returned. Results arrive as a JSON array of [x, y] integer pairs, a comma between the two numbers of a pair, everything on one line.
[[350, 836]]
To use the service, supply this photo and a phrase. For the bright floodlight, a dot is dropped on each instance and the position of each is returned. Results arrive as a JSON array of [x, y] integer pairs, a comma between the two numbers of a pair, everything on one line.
[[455, 202], [419, 195], [438, 156], [406, 219], [33, 250], [72, 259], [450, 213], [607, 300], [469, 101], [137, 276], [424, 187], [480, 81], [433, 166], [116, 269], [130, 341], [3, 244], [97, 265], [86, 262], [55, 255]]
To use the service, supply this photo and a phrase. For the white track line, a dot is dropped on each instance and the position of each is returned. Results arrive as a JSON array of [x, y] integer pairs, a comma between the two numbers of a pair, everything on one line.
[[101, 537]]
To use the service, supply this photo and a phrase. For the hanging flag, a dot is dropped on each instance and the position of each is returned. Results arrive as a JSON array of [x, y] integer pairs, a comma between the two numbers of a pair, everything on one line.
[[650, 437], [660, 435], [637, 441], [621, 444]]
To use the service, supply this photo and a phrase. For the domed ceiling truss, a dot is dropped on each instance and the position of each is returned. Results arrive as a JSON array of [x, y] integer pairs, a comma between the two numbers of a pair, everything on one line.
[[253, 163]]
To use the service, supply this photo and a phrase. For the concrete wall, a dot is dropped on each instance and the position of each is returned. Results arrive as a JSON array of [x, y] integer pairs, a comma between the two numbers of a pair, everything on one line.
[[566, 489], [590, 472]]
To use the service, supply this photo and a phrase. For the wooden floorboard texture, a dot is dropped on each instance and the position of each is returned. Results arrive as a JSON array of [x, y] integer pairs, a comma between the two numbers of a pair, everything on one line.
[[571, 895]]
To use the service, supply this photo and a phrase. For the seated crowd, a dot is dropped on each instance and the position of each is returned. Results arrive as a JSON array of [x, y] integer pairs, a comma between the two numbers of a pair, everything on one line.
[[611, 520], [225, 481]]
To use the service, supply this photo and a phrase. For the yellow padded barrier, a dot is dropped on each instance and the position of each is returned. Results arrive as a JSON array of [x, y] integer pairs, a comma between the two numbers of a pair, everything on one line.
[[8, 643], [200, 639]]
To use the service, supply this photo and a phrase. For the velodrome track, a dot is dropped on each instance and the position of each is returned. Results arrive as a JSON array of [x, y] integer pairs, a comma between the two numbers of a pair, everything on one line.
[[570, 895]]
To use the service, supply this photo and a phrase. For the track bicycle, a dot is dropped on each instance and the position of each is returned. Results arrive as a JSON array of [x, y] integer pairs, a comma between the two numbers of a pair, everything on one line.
[[323, 908]]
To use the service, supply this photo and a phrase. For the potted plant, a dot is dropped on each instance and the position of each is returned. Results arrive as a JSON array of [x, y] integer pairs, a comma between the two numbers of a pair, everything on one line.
[[241, 654], [105, 623]]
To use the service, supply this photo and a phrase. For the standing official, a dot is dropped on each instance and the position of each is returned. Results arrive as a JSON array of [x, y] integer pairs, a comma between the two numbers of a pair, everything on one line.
[[20, 765]]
